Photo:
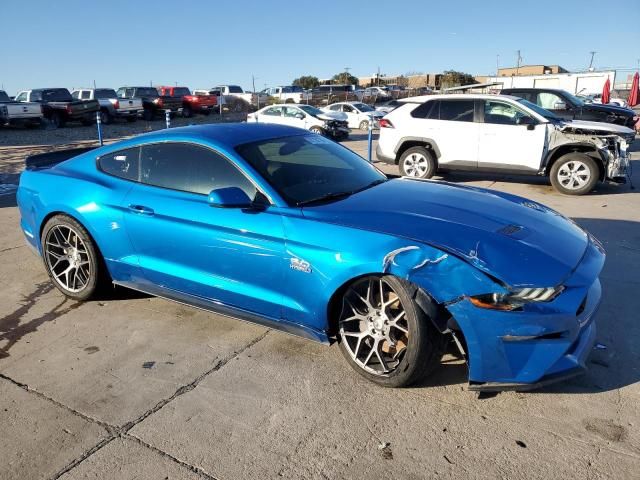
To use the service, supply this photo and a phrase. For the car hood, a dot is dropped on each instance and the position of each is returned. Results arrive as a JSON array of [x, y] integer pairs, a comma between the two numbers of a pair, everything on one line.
[[518, 241], [596, 127], [598, 107], [332, 116]]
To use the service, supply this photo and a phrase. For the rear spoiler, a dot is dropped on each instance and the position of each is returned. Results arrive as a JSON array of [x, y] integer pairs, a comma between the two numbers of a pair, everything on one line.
[[49, 159]]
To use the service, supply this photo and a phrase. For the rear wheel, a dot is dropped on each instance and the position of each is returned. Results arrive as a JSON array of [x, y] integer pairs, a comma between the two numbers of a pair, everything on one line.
[[105, 117], [71, 258], [364, 125], [417, 162], [187, 112], [57, 120], [574, 174], [384, 335]]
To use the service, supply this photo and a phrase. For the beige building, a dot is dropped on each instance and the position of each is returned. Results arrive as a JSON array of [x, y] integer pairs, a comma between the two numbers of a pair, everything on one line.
[[412, 81], [531, 70]]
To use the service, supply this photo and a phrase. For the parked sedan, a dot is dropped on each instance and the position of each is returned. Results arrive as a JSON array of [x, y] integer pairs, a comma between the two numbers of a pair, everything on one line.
[[332, 124], [274, 225], [358, 114]]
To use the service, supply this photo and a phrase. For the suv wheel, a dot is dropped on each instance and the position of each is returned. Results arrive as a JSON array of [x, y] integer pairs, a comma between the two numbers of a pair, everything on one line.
[[417, 162], [574, 174]]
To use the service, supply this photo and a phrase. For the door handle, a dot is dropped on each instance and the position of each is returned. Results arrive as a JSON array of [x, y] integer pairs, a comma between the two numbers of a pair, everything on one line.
[[141, 209]]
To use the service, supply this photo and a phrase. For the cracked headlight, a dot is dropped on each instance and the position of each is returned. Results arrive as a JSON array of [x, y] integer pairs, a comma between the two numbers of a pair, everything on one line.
[[516, 298]]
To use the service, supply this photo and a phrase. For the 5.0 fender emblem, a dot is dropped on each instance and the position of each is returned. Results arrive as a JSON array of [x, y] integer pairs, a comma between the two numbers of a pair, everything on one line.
[[300, 265]]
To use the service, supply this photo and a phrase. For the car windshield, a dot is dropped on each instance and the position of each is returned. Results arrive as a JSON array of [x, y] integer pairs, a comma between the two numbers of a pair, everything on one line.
[[104, 93], [235, 89], [363, 107], [539, 110], [310, 110], [576, 100], [310, 169]]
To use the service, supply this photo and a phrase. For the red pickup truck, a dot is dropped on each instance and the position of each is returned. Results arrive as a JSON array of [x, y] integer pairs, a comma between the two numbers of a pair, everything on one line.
[[190, 103]]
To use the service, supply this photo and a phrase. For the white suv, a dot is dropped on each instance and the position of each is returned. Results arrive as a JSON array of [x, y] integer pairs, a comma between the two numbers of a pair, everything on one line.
[[503, 134]]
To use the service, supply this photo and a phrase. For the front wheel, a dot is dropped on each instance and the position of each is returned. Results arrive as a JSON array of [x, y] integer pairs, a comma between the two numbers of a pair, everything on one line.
[[364, 125], [187, 112], [417, 162], [318, 130], [574, 174], [105, 117], [384, 335], [71, 258]]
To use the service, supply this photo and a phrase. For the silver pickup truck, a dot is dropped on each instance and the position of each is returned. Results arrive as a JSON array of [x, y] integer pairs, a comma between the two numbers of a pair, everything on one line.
[[16, 113], [111, 107]]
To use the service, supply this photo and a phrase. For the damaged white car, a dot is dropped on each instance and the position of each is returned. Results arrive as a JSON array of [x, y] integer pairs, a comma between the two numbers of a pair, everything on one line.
[[329, 124], [503, 134]]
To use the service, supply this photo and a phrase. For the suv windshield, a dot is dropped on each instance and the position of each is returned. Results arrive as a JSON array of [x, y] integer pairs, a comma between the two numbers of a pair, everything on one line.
[[539, 110], [104, 93], [310, 169]]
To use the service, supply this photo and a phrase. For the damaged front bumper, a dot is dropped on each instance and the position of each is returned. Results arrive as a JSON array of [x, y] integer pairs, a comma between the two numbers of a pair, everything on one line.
[[615, 155], [543, 343]]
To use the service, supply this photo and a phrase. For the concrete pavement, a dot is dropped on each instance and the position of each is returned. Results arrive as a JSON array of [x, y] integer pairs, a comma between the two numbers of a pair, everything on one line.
[[137, 387]]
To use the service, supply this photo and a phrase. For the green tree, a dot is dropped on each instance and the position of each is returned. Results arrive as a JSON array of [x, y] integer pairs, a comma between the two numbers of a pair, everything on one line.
[[452, 78], [345, 78], [306, 81]]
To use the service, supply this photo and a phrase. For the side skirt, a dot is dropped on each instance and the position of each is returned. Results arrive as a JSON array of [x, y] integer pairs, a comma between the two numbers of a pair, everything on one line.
[[230, 312]]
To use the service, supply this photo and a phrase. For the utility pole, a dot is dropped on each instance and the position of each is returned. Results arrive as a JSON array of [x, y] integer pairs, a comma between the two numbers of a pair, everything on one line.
[[518, 64], [593, 54], [346, 74], [253, 84], [497, 64]]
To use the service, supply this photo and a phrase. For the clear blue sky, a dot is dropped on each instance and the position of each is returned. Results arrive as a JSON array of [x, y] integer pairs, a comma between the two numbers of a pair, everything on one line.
[[201, 43]]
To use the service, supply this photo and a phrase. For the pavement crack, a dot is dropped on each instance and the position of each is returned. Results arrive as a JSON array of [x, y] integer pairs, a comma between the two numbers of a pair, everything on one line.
[[111, 429], [190, 386], [193, 468], [12, 248], [84, 456]]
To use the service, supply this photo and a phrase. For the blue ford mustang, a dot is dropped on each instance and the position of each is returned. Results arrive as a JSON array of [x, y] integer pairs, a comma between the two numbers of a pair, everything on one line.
[[278, 226]]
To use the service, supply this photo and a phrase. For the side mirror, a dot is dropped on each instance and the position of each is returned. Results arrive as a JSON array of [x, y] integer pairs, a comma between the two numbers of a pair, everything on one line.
[[559, 106], [229, 197], [528, 121], [300, 116]]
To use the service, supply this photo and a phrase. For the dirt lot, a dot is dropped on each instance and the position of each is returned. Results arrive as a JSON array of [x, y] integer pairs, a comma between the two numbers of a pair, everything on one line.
[[138, 387]]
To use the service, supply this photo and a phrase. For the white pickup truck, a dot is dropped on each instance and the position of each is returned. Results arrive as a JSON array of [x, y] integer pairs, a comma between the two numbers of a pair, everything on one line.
[[288, 94], [234, 97], [111, 106], [17, 113]]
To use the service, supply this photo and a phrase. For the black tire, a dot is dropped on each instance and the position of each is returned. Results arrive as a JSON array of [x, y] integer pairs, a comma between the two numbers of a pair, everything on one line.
[[364, 125], [187, 112], [289, 100], [424, 344], [417, 162], [148, 114], [206, 113], [105, 117], [574, 174], [97, 276], [57, 121]]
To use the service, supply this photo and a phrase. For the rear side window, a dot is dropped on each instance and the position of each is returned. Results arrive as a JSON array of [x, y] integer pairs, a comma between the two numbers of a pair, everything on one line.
[[122, 164], [429, 110], [190, 168], [457, 110]]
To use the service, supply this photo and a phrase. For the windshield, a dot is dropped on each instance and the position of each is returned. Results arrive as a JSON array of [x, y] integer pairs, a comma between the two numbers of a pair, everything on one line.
[[291, 89], [576, 100], [4, 97], [235, 89], [363, 107], [104, 93], [309, 168], [181, 91], [539, 110], [310, 110]]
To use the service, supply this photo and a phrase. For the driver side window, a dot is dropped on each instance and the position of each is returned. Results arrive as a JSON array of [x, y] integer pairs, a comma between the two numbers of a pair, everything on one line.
[[548, 100]]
